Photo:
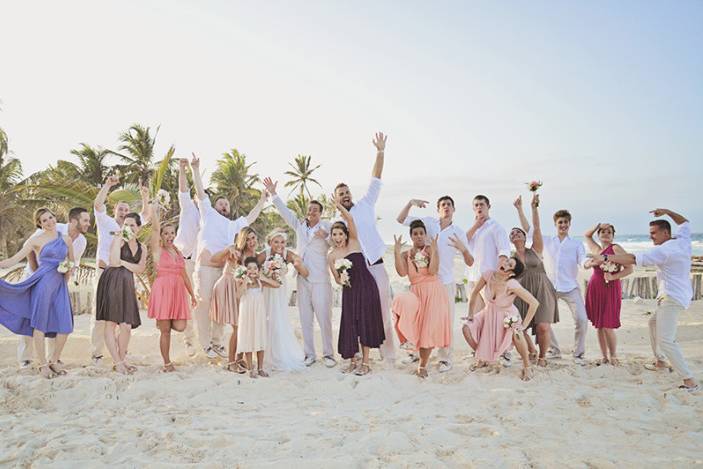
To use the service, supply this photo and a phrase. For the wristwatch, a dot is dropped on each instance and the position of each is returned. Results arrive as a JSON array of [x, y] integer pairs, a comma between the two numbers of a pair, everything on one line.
[[605, 258]]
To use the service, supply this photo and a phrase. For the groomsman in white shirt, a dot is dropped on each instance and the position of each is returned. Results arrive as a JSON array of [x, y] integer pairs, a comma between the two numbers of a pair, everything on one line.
[[672, 258], [217, 231], [451, 242], [78, 224], [186, 240], [106, 226], [364, 214], [563, 256], [315, 291]]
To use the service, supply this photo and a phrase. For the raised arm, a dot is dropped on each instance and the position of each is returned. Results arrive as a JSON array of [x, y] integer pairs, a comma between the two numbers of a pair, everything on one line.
[[379, 142], [459, 244], [537, 240], [401, 258], [593, 247], [197, 178], [521, 214], [182, 179], [351, 226], [528, 298], [678, 219], [403, 215], [147, 209], [256, 211], [155, 239], [434, 256], [99, 203], [287, 214]]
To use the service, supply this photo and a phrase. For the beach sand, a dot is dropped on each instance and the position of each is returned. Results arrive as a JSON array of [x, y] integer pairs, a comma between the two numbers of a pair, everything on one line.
[[567, 416]]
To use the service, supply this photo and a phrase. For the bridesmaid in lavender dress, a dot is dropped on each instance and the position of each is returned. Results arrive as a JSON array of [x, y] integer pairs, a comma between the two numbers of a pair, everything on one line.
[[40, 306]]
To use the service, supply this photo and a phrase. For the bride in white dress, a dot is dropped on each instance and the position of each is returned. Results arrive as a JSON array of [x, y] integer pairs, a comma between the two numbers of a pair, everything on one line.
[[283, 351]]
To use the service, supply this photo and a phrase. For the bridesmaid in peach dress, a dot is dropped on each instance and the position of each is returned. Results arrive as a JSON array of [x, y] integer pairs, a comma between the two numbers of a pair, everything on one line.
[[168, 302], [422, 314], [498, 326]]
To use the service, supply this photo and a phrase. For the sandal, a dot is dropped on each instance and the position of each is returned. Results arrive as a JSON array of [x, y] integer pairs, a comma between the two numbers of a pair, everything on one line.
[[350, 368], [57, 368], [526, 374], [130, 368], [476, 365], [253, 374], [168, 367], [363, 370], [542, 362], [654, 367], [121, 368], [263, 374], [49, 373], [421, 372]]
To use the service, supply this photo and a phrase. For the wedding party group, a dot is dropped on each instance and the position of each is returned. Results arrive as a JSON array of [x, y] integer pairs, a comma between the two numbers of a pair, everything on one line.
[[210, 273]]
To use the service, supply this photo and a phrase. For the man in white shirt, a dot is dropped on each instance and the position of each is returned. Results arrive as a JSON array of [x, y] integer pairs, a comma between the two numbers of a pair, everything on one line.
[[487, 242], [563, 256], [672, 258], [315, 291], [364, 214], [186, 240], [106, 227], [217, 231], [78, 224], [450, 243]]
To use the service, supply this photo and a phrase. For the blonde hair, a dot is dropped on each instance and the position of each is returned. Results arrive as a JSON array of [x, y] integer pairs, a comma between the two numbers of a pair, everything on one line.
[[241, 243], [38, 214], [275, 233]]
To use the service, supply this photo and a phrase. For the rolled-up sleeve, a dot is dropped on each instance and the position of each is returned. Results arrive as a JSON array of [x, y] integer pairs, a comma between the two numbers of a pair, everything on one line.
[[684, 231], [654, 256]]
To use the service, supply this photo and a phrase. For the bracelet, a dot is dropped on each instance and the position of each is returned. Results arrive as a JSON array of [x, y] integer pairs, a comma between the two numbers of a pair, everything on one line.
[[605, 258]]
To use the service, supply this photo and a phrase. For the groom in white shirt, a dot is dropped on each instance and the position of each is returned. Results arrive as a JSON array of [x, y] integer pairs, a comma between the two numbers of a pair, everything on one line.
[[364, 214]]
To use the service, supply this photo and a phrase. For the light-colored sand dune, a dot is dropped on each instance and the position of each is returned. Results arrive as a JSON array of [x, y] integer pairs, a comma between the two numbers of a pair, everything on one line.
[[568, 416]]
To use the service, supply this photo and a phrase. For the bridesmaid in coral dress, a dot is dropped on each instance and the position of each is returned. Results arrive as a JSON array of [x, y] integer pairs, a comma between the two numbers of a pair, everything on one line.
[[498, 325], [422, 314], [168, 302], [604, 292]]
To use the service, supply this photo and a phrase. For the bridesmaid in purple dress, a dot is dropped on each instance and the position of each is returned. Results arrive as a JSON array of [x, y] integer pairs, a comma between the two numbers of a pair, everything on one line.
[[40, 306], [604, 292], [362, 319]]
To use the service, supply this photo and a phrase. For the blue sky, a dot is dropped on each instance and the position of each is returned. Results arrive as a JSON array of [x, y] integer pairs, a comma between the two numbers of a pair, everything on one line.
[[601, 100]]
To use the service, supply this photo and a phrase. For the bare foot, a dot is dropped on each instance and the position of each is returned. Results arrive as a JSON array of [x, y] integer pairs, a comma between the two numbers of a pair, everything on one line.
[[542, 362], [421, 372], [168, 368], [121, 368], [476, 365], [532, 356], [614, 361], [46, 371], [253, 374], [57, 368], [526, 374], [602, 361], [263, 374]]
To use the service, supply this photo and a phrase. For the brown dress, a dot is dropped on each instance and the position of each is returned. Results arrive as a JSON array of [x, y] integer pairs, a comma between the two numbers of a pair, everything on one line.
[[534, 279], [116, 299]]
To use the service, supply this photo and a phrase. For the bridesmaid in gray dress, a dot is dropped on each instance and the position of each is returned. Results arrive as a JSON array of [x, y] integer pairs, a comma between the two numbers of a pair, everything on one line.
[[534, 279]]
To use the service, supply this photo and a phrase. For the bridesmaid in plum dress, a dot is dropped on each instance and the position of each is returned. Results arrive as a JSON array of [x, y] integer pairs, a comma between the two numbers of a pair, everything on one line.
[[40, 306], [422, 314], [362, 320], [498, 326], [604, 291]]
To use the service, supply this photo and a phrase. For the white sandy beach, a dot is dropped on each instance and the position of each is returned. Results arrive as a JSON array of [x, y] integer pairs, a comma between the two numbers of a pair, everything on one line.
[[568, 416]]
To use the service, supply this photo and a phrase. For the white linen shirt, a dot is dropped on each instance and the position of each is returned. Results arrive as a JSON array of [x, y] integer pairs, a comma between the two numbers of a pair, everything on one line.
[[106, 225], [216, 231], [364, 214], [673, 262], [487, 244], [447, 252], [188, 225], [562, 259], [79, 245], [311, 249]]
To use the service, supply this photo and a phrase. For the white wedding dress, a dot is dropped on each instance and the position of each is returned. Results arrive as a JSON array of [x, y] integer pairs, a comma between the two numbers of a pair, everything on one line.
[[283, 352]]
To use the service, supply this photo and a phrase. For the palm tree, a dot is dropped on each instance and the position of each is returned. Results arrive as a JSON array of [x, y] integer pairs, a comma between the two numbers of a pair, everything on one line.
[[12, 209], [299, 205], [233, 180], [92, 168], [301, 174], [136, 150]]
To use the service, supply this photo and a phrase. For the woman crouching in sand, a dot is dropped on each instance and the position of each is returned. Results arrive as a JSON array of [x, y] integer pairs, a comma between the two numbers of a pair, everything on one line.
[[492, 331]]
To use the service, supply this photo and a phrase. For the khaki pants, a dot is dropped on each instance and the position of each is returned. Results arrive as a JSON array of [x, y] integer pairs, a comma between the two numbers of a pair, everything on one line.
[[662, 336], [384, 290], [97, 328], [574, 301], [209, 332], [315, 301], [189, 332]]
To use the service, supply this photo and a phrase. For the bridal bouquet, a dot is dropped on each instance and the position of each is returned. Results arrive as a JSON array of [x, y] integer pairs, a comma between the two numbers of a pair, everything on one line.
[[273, 267], [510, 322], [125, 233], [421, 260], [65, 266], [534, 185], [342, 267], [163, 198], [609, 267], [241, 273]]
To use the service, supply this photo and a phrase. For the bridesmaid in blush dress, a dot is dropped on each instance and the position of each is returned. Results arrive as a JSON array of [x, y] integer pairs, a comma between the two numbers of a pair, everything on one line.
[[362, 320], [604, 291]]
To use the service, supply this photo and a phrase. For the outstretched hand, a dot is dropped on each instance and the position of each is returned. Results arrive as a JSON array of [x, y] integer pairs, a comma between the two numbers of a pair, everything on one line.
[[456, 243], [659, 212], [182, 164], [112, 180], [322, 234], [379, 141], [518, 202], [194, 162], [270, 185], [398, 242], [419, 203]]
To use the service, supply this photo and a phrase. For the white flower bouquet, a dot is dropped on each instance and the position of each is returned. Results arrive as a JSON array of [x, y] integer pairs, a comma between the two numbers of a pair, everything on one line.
[[125, 233], [421, 260], [65, 266], [163, 198], [610, 268], [511, 322], [342, 267], [241, 273], [273, 267]]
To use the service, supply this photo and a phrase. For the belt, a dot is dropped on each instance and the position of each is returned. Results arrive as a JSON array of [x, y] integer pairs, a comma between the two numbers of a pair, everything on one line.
[[380, 261]]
